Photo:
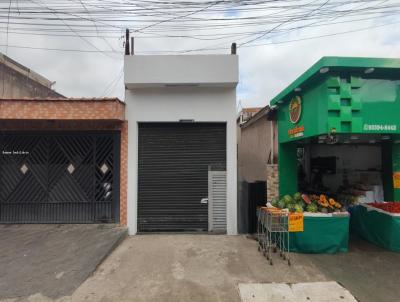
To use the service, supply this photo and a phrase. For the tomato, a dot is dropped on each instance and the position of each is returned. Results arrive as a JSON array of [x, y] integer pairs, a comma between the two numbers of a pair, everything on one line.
[[391, 207]]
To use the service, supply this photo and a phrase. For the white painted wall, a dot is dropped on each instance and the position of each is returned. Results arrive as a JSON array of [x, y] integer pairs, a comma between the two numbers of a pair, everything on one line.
[[202, 70], [171, 104]]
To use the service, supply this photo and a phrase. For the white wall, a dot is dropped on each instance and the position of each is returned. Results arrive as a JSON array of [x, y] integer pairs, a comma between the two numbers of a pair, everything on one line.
[[160, 70], [170, 104]]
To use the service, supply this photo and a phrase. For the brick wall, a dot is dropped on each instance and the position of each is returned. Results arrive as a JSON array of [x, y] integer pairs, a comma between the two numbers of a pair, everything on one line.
[[123, 198], [62, 109], [272, 182]]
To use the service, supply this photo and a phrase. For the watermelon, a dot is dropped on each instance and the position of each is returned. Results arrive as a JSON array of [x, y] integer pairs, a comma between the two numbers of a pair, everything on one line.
[[281, 204], [312, 208], [274, 202], [288, 199], [298, 208], [297, 196], [292, 207], [306, 199], [324, 210]]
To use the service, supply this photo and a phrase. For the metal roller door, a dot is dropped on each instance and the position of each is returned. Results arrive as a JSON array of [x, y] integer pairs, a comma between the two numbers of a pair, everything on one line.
[[174, 160], [59, 177]]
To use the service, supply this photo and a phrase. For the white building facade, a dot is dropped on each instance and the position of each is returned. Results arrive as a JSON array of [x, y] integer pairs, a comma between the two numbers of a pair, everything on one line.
[[181, 114]]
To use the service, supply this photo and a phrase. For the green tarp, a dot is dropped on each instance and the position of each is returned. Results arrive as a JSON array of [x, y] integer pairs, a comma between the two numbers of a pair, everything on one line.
[[377, 227], [328, 235]]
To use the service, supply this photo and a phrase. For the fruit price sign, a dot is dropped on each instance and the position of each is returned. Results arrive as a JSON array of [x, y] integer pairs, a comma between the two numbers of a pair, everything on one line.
[[396, 180], [296, 222]]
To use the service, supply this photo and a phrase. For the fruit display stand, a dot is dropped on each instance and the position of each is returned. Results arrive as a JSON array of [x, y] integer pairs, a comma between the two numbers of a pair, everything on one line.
[[325, 223], [377, 226], [323, 234]]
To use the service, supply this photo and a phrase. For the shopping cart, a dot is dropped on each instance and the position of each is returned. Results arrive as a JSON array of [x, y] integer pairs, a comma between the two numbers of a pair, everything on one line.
[[273, 233]]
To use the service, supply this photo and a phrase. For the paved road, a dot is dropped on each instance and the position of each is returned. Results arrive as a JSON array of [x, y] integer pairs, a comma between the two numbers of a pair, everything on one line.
[[52, 259]]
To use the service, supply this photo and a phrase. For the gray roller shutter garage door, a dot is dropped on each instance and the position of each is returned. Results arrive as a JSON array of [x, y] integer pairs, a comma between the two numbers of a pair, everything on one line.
[[174, 159]]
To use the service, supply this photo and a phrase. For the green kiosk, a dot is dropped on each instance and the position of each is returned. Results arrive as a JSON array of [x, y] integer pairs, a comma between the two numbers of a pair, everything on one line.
[[339, 134]]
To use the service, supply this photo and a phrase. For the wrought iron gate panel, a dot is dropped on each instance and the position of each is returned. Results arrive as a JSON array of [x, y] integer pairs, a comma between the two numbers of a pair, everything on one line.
[[59, 178]]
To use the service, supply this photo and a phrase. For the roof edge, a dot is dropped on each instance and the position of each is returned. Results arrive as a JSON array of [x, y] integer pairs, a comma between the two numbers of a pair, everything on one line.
[[264, 111], [344, 62], [54, 99]]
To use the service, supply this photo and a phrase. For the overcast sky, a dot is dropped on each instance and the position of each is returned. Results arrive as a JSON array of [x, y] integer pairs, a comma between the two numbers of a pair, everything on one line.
[[264, 70]]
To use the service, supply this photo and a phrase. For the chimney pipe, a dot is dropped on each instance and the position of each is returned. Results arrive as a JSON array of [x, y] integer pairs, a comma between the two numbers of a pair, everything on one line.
[[233, 49], [127, 42], [132, 46]]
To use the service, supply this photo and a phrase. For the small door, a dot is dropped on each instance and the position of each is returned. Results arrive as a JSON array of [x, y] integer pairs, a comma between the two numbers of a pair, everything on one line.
[[217, 201], [174, 159]]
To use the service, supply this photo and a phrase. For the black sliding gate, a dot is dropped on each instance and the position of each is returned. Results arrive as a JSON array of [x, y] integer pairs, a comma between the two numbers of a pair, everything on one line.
[[59, 177]]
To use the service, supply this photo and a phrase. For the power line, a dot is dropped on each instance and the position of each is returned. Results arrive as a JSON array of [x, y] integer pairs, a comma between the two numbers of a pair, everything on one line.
[[224, 21], [219, 48]]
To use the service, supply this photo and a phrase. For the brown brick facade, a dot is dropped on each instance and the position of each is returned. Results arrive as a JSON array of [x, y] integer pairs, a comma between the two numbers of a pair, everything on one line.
[[67, 115], [62, 109], [123, 198]]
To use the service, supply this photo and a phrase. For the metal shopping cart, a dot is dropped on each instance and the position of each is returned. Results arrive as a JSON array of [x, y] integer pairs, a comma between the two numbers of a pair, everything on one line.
[[273, 233]]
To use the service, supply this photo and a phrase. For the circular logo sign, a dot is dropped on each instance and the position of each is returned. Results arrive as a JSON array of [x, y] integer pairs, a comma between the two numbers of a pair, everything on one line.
[[295, 109]]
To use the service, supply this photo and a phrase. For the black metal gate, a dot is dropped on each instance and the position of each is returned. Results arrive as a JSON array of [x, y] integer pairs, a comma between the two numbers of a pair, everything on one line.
[[174, 159], [59, 177]]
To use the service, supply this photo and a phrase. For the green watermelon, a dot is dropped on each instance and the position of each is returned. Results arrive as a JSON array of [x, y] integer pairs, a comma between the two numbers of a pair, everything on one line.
[[288, 199], [274, 202], [291, 207], [298, 208], [324, 210], [281, 204], [297, 196], [312, 208]]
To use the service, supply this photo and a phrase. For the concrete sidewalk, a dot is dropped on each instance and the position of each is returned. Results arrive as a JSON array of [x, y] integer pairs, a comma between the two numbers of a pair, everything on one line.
[[187, 268], [283, 292], [52, 259], [212, 267]]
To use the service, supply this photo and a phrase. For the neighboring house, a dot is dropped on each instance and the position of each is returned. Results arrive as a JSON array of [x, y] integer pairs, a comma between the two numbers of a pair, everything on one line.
[[182, 165], [257, 163], [247, 113], [63, 160], [257, 156], [257, 144], [18, 81]]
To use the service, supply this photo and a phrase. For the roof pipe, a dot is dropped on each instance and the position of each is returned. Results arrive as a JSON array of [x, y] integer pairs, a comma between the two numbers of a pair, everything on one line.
[[233, 49], [127, 42]]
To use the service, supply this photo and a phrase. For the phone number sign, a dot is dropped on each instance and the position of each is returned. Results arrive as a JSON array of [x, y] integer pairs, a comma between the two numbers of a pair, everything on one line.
[[379, 127]]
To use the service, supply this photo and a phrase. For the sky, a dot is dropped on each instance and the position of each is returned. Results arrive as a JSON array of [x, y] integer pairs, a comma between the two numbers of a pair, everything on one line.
[[267, 65]]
